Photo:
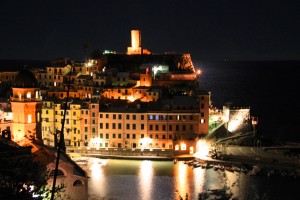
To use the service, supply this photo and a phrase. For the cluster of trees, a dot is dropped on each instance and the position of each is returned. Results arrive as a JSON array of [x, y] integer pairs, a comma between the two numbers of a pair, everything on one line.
[[22, 175]]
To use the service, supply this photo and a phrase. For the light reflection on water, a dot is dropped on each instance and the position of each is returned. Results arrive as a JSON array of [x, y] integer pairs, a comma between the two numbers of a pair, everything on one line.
[[145, 180], [151, 180], [142, 180]]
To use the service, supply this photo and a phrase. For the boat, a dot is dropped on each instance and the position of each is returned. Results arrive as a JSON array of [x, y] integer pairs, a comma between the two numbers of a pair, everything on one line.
[[244, 169], [230, 169]]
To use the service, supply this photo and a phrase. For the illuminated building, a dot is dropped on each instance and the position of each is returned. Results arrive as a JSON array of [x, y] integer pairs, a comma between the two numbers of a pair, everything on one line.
[[26, 105]]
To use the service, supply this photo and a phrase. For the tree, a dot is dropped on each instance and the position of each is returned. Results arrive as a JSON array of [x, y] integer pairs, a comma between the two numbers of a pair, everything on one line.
[[20, 175], [23, 174]]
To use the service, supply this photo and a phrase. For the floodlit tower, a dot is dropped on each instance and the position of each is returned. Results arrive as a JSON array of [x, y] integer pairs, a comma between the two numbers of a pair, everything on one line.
[[135, 43], [26, 105]]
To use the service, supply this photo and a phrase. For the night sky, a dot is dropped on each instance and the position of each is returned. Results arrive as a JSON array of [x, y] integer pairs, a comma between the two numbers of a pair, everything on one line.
[[207, 29]]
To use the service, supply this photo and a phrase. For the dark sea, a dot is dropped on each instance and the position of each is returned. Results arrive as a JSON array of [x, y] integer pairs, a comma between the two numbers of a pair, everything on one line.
[[269, 87]]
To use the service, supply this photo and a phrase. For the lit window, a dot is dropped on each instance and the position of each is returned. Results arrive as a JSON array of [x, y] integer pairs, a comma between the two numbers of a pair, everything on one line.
[[183, 147], [176, 147], [202, 121], [28, 95], [29, 118]]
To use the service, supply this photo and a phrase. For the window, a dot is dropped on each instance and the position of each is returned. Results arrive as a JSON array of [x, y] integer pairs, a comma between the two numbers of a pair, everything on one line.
[[74, 113], [127, 126], [85, 121], [133, 136], [183, 127], [202, 121], [163, 136], [191, 117], [142, 117], [28, 95], [93, 130], [191, 127], [133, 126], [156, 127], [113, 125], [114, 116], [142, 127], [202, 105], [85, 129], [170, 137], [106, 116], [114, 135], [107, 125], [120, 116], [101, 135], [163, 127], [151, 127], [93, 114], [101, 115], [127, 136], [176, 147], [134, 117], [127, 117], [119, 135], [183, 147], [119, 126], [177, 127], [170, 128], [202, 114], [156, 136], [101, 125], [142, 135], [59, 173], [29, 118], [107, 136]]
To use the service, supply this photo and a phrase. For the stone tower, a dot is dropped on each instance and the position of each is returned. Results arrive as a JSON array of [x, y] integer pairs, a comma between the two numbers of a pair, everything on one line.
[[26, 105]]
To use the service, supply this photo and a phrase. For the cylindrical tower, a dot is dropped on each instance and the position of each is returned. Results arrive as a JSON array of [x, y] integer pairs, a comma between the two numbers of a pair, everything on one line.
[[135, 39]]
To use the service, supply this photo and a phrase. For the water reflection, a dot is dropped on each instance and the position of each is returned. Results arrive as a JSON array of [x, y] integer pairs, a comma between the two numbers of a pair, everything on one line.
[[152, 180], [199, 179], [145, 179], [182, 185]]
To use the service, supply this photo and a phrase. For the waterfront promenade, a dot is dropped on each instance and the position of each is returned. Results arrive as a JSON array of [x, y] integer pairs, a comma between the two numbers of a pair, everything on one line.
[[233, 155]]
